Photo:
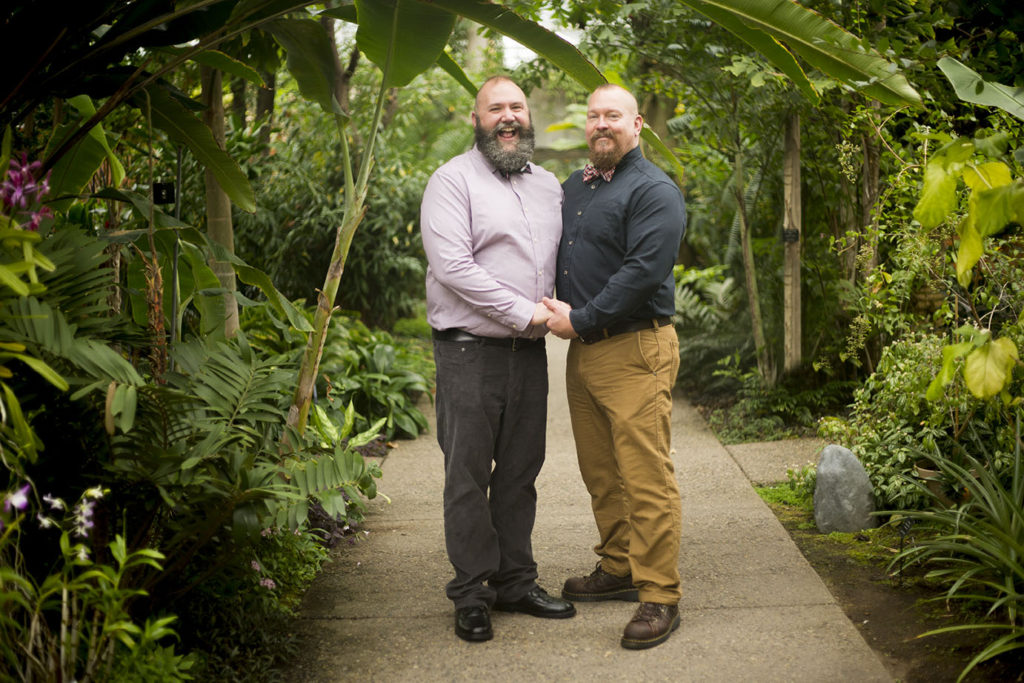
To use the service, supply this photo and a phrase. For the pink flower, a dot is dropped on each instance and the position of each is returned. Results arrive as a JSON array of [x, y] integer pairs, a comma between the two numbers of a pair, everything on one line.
[[17, 500], [268, 583], [21, 189]]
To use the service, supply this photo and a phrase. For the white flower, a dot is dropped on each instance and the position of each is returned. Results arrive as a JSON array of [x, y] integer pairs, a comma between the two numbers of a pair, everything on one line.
[[53, 502]]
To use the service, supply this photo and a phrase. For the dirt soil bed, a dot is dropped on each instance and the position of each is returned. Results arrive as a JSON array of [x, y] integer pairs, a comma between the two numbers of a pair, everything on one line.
[[890, 612]]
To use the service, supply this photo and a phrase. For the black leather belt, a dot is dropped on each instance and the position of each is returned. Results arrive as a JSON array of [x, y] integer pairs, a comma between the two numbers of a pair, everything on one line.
[[623, 327], [514, 343]]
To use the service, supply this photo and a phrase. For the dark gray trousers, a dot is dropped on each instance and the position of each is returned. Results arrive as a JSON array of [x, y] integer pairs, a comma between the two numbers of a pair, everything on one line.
[[491, 417]]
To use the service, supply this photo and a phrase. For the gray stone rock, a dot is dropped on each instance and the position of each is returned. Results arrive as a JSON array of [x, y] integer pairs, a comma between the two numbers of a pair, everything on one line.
[[843, 498]]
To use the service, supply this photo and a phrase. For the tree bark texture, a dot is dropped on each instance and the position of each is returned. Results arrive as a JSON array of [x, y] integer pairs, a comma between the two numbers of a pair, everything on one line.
[[792, 241], [218, 207], [765, 366], [265, 105]]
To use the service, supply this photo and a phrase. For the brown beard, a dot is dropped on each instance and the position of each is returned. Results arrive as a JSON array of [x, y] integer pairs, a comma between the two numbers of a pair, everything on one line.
[[607, 159]]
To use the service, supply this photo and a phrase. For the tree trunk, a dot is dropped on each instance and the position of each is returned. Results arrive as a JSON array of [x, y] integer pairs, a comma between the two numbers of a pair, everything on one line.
[[791, 228], [238, 105], [477, 45], [869, 188], [218, 206], [265, 105], [765, 367]]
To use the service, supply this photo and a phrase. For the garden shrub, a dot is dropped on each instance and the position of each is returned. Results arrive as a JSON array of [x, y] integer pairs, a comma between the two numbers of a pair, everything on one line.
[[364, 368], [891, 424]]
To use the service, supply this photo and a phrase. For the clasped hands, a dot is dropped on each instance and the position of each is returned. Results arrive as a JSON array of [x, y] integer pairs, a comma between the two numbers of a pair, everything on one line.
[[554, 314]]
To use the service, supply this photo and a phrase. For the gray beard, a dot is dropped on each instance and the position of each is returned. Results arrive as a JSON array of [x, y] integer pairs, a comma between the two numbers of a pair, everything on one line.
[[506, 161]]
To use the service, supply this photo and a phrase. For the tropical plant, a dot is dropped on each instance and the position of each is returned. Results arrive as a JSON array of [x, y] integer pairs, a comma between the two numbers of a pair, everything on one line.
[[75, 623], [891, 421], [977, 546], [996, 200]]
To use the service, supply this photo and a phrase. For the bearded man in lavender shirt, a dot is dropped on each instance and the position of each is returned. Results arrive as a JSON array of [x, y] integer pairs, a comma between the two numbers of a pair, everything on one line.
[[491, 222]]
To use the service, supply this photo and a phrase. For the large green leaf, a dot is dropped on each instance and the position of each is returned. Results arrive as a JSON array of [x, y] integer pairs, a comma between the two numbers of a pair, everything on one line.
[[310, 60], [75, 169], [402, 37], [1000, 206], [449, 65], [257, 278], [142, 207], [556, 50], [184, 128], [206, 292], [970, 250], [971, 87], [216, 59], [950, 354], [823, 44], [768, 46], [987, 368], [938, 195], [86, 108]]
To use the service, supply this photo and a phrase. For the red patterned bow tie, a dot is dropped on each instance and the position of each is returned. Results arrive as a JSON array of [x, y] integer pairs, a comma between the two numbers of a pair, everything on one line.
[[590, 173]]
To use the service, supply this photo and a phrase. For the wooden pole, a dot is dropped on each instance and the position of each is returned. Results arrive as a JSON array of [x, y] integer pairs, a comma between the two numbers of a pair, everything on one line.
[[791, 236]]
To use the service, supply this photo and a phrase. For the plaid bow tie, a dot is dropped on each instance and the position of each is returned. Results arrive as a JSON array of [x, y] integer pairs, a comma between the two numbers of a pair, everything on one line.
[[590, 173]]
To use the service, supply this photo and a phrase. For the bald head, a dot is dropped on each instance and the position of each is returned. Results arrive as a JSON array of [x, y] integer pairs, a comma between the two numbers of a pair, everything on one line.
[[503, 83], [626, 100]]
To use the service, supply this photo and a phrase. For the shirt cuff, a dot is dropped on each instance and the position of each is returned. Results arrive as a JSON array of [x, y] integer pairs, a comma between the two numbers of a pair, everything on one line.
[[581, 322], [520, 316]]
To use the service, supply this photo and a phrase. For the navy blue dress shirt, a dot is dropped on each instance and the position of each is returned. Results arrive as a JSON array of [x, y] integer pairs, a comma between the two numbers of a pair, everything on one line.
[[619, 244]]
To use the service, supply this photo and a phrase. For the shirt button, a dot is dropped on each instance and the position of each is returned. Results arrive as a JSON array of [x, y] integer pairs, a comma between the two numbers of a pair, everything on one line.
[[565, 272], [570, 243], [579, 213], [594, 186]]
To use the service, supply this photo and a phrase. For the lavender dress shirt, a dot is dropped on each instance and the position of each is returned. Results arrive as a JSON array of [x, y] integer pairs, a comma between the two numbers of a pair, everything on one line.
[[491, 244]]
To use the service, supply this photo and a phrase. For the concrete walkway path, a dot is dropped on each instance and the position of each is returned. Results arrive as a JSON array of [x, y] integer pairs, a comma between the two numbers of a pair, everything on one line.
[[752, 610]]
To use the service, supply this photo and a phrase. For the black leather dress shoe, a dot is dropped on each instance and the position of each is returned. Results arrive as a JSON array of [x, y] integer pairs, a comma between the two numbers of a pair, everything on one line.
[[538, 603], [473, 624]]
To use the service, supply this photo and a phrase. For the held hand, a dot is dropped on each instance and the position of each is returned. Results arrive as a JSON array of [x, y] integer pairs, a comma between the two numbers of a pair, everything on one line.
[[559, 322], [541, 314]]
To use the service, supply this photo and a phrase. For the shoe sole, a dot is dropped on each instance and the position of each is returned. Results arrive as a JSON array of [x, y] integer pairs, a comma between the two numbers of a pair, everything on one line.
[[475, 637], [632, 595], [631, 644], [542, 615]]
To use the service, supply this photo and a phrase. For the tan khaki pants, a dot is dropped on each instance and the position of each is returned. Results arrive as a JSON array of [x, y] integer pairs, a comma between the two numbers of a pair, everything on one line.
[[620, 402]]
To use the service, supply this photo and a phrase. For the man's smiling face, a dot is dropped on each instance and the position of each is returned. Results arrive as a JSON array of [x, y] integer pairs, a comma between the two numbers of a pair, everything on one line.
[[504, 131]]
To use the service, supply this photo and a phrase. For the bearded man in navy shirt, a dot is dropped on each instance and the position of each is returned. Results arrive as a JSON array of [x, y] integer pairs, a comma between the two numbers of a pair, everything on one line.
[[622, 222]]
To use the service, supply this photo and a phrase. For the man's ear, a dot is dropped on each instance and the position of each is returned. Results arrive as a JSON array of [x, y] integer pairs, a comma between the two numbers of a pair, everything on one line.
[[472, 118]]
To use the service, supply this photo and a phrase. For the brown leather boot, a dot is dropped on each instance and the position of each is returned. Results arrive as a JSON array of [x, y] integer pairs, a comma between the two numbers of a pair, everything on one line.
[[600, 585], [652, 624]]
